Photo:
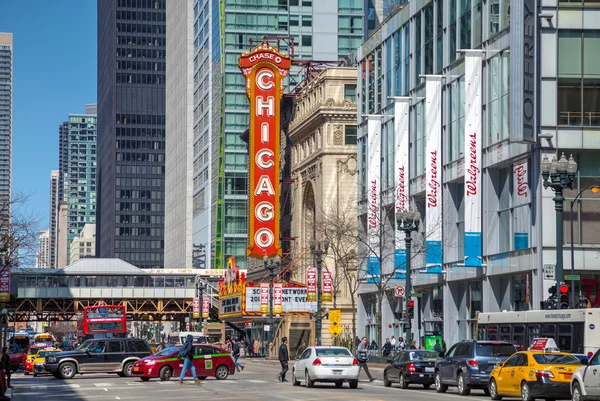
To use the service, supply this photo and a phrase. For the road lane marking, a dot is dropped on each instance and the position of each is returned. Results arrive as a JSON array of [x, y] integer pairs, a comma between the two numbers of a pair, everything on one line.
[[103, 384], [258, 381], [70, 386]]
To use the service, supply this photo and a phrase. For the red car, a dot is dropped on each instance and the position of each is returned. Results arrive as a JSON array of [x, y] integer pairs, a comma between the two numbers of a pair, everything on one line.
[[209, 360], [32, 353]]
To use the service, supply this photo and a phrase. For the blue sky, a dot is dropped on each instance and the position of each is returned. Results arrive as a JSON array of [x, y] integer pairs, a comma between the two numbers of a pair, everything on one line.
[[54, 74]]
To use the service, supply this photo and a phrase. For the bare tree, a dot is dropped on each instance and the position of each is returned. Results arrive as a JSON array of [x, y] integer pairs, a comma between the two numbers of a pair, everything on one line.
[[61, 330], [19, 229]]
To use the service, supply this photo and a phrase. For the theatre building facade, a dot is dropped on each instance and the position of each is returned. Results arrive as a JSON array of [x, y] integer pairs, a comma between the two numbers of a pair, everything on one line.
[[458, 103]]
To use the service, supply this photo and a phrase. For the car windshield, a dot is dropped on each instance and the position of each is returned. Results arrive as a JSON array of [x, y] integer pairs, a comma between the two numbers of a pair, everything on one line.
[[422, 355], [333, 352], [495, 350], [43, 354], [556, 359], [166, 351], [83, 347], [34, 350]]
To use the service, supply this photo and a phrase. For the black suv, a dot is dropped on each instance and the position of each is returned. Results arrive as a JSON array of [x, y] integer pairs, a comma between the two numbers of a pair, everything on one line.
[[468, 365], [103, 355]]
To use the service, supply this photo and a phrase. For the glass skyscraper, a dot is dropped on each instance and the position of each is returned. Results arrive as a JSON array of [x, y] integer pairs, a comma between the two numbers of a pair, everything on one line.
[[6, 57], [131, 135], [321, 30]]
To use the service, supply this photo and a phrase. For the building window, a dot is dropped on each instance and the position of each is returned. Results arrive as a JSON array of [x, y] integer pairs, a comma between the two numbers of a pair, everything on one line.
[[456, 123], [578, 78], [499, 15], [498, 113], [306, 40], [428, 59], [307, 20], [350, 135], [452, 29], [350, 94], [418, 161]]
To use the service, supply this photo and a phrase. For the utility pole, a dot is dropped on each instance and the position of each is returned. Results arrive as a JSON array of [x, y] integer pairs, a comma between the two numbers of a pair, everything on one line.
[[318, 249], [408, 222]]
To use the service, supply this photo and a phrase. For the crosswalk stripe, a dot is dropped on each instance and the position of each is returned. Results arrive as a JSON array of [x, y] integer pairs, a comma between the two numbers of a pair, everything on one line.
[[71, 386], [103, 384], [257, 381]]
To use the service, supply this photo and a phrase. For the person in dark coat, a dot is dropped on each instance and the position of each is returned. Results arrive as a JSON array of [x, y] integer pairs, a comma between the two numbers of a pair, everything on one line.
[[387, 347], [284, 357], [187, 352], [5, 363]]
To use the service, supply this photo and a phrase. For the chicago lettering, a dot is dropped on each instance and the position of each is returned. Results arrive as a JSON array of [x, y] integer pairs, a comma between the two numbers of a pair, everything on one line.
[[434, 185], [472, 170]]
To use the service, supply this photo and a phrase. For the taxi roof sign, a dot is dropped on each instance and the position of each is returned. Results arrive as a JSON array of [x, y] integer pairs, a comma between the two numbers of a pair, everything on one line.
[[543, 344]]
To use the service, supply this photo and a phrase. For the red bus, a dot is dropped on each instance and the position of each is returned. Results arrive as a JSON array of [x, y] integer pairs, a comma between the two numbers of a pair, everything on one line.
[[104, 319]]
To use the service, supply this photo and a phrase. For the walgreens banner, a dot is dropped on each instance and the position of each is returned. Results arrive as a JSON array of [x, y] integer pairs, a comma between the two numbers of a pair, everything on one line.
[[472, 162], [402, 176], [373, 194], [433, 176]]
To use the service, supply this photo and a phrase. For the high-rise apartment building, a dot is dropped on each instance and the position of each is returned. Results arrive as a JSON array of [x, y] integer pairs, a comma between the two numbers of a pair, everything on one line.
[[322, 30], [53, 216], [6, 57], [42, 257], [63, 158], [131, 136], [80, 176]]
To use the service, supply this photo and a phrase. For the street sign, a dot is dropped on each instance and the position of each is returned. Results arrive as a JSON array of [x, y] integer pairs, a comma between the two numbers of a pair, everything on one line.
[[267, 327], [572, 277], [335, 316], [416, 295], [399, 291], [335, 329], [549, 272]]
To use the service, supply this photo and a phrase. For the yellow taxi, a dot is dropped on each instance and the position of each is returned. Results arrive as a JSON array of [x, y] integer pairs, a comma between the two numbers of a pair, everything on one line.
[[534, 374], [38, 361]]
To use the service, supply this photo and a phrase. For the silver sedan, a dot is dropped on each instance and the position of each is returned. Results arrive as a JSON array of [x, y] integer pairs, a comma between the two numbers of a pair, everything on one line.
[[326, 364]]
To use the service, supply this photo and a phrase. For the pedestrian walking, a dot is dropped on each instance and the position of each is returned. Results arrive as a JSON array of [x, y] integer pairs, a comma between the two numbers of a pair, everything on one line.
[[5, 364], [438, 348], [413, 344], [363, 357], [393, 342], [187, 352], [256, 347], [387, 347], [284, 357], [235, 352], [401, 344]]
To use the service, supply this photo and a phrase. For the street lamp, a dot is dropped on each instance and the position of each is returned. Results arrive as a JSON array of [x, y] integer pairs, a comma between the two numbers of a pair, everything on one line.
[[200, 287], [271, 267], [408, 222], [595, 189], [318, 249], [559, 175]]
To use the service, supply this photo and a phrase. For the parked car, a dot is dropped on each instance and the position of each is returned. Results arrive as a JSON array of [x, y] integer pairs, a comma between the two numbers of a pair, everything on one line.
[[208, 360], [468, 364], [17, 359], [411, 367], [534, 374], [106, 355], [585, 384], [326, 364]]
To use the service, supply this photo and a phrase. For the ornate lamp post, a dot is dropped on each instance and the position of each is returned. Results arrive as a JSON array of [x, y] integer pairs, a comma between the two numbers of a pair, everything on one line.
[[559, 175], [271, 266], [408, 222], [318, 249], [594, 189], [200, 287]]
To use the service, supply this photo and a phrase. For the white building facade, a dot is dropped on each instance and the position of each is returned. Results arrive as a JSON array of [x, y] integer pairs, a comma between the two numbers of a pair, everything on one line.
[[84, 246], [42, 257], [503, 83]]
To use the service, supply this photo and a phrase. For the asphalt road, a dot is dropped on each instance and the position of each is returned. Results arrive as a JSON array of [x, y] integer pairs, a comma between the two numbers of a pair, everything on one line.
[[256, 383]]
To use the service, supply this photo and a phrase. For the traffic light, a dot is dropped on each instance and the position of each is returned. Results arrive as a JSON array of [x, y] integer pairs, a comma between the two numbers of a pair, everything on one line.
[[564, 296], [411, 308]]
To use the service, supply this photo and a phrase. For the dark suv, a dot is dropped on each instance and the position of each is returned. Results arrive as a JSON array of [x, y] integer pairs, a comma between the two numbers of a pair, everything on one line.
[[468, 365], [103, 355]]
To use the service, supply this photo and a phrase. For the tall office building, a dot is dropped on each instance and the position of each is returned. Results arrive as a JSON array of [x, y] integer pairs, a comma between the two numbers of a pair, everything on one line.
[[80, 175], [6, 57], [131, 135], [322, 30], [42, 257], [63, 158], [53, 215]]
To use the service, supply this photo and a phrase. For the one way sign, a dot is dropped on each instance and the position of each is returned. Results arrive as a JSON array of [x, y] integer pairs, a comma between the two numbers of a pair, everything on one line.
[[549, 272]]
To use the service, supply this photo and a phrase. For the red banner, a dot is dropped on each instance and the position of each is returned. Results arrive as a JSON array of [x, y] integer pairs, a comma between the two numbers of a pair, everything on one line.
[[265, 70], [327, 291], [311, 284], [196, 307], [205, 307], [277, 298], [264, 297]]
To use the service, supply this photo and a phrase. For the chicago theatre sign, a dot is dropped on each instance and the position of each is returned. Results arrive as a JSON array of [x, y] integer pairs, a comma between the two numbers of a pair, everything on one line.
[[265, 69]]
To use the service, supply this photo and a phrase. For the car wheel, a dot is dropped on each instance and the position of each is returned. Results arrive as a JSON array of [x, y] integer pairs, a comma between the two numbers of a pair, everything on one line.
[[353, 383], [439, 386], [222, 372], [463, 389], [145, 379], [403, 382], [67, 370], [576, 393], [339, 383], [525, 394], [386, 382], [295, 380], [165, 373], [426, 386], [493, 390], [127, 369], [309, 383]]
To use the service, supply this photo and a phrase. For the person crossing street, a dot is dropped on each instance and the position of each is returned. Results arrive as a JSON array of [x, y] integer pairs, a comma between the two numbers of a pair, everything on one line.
[[187, 352], [235, 352], [362, 356], [283, 359]]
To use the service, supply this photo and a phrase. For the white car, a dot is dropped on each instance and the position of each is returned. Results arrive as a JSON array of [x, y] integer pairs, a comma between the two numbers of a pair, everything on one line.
[[326, 364], [585, 384]]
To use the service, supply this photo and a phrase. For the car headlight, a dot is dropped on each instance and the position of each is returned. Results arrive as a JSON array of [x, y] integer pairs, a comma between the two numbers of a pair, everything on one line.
[[150, 362], [50, 359]]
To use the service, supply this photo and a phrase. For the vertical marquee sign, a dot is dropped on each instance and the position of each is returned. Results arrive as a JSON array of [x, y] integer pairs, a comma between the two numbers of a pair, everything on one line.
[[265, 69]]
